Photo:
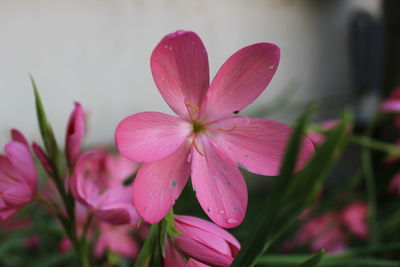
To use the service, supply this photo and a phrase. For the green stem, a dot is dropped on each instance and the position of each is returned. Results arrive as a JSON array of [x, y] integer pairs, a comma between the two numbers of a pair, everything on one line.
[[348, 257], [370, 143], [148, 248], [370, 185]]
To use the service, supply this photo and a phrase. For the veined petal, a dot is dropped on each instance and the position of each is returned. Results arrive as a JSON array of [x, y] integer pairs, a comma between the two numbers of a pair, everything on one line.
[[258, 144], [241, 79], [158, 184], [150, 136], [219, 185], [179, 65], [201, 252]]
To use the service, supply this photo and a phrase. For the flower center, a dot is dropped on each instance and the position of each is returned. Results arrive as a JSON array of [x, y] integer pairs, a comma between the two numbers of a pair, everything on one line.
[[198, 127]]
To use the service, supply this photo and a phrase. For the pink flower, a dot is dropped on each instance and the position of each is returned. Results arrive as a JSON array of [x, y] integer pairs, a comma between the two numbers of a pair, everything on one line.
[[117, 239], [202, 241], [394, 185], [322, 232], [392, 103], [208, 138], [318, 137], [97, 183], [75, 133], [18, 176], [354, 216]]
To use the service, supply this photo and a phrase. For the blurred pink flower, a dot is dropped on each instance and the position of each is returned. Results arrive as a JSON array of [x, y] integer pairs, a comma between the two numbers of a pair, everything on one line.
[[97, 183], [318, 136], [18, 176], [392, 103], [322, 232], [64, 245], [32, 242], [394, 185], [74, 134], [354, 217], [117, 239], [201, 241], [207, 139]]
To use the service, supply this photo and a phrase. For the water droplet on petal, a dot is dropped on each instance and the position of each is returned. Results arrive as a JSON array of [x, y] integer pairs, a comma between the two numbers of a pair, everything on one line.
[[174, 184], [246, 155], [271, 67], [221, 212], [189, 157], [231, 220], [208, 210]]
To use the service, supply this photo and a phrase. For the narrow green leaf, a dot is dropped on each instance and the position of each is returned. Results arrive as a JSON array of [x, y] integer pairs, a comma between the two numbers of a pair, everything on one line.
[[291, 193], [314, 261], [149, 247], [44, 126]]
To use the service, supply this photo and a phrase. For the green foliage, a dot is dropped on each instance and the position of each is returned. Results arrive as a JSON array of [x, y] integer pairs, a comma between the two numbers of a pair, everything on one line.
[[291, 193]]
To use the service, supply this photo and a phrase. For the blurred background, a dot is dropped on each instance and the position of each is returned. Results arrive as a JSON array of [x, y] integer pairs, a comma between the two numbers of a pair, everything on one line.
[[97, 52]]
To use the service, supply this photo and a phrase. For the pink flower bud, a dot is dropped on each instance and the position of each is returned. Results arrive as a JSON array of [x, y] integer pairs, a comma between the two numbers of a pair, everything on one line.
[[202, 241], [75, 133], [44, 160]]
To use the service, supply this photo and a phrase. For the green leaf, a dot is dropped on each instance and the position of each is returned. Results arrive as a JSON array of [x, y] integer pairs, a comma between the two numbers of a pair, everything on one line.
[[313, 261], [149, 247], [291, 193], [44, 126]]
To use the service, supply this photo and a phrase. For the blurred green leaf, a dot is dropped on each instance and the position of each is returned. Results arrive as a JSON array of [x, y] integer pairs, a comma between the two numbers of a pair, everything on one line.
[[292, 193], [313, 261]]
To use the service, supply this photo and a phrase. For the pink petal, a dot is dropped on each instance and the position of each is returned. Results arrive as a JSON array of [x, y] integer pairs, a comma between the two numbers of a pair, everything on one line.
[[74, 134], [219, 185], [258, 144], [201, 252], [173, 259], [204, 237], [21, 158], [241, 79], [18, 195], [120, 168], [116, 214], [180, 70], [210, 228], [115, 206], [158, 184], [150, 136]]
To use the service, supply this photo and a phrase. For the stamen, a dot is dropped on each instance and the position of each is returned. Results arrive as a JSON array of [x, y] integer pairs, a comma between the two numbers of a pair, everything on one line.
[[196, 146], [196, 108], [191, 107], [229, 130]]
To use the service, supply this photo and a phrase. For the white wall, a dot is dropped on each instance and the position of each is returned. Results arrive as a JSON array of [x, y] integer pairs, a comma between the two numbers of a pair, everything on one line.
[[97, 52]]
